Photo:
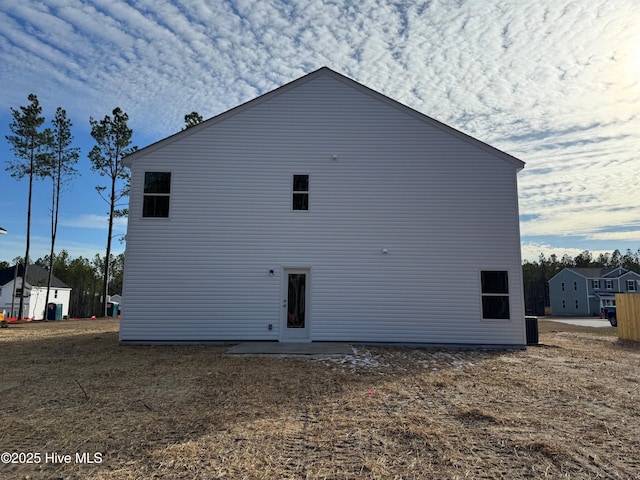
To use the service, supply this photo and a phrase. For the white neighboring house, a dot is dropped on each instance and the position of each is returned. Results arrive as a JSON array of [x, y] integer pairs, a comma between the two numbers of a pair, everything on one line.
[[35, 293], [323, 211], [115, 299]]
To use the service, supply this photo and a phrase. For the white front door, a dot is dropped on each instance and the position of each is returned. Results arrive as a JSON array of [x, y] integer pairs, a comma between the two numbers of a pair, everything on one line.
[[295, 306]]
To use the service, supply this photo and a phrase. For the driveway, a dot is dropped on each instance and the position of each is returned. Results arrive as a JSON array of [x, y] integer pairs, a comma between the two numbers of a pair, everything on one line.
[[581, 321]]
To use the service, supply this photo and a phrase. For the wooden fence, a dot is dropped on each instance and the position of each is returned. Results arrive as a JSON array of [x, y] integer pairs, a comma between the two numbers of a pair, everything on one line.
[[628, 313]]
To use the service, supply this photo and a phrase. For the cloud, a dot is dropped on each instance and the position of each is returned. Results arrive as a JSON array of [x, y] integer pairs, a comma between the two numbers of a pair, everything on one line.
[[14, 246], [95, 222], [556, 84], [632, 235], [531, 251]]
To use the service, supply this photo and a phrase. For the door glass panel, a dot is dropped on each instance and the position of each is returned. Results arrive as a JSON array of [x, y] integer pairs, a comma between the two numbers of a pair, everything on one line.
[[296, 300]]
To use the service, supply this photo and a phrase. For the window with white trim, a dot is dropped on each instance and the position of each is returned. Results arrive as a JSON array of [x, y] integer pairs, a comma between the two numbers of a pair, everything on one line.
[[631, 285], [609, 284], [157, 190], [495, 294], [300, 195], [595, 283]]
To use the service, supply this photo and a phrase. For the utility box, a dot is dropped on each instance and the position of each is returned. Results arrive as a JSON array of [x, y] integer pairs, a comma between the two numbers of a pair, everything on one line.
[[531, 326]]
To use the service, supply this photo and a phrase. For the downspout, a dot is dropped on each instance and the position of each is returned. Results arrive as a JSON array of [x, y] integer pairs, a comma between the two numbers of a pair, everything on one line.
[[586, 284]]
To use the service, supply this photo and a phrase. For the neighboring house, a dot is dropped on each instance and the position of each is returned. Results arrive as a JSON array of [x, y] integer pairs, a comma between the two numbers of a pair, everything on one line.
[[585, 291], [114, 299], [35, 293], [323, 211]]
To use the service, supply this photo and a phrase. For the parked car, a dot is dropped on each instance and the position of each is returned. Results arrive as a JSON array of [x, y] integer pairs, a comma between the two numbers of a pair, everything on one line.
[[610, 314]]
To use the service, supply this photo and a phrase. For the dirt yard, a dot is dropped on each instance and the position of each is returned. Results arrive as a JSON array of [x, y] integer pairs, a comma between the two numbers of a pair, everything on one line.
[[76, 405]]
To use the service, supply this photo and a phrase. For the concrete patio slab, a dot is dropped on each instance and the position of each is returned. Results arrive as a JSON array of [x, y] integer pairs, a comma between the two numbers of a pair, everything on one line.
[[285, 348]]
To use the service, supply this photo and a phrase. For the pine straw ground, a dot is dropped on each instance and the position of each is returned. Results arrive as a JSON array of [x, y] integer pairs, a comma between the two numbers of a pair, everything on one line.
[[567, 409]]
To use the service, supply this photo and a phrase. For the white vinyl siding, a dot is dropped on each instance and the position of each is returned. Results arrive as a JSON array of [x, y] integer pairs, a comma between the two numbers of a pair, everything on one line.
[[442, 206]]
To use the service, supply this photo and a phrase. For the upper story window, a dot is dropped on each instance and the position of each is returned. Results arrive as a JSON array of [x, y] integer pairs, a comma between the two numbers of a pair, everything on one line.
[[300, 198], [157, 189], [609, 284], [495, 294], [562, 285], [595, 283], [631, 285], [575, 285]]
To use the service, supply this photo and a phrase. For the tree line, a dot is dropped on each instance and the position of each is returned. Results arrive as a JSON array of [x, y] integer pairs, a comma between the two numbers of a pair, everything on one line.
[[47, 152], [537, 274]]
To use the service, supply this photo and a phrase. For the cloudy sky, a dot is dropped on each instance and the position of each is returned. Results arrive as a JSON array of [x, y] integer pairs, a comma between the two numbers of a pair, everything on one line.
[[555, 83]]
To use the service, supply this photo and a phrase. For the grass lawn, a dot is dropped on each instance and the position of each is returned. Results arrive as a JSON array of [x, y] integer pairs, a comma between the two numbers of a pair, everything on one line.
[[569, 408]]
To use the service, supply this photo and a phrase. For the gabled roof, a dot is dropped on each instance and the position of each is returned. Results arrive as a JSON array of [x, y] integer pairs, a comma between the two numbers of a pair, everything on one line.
[[519, 164], [628, 272], [596, 272], [593, 272], [616, 272], [36, 275], [583, 272]]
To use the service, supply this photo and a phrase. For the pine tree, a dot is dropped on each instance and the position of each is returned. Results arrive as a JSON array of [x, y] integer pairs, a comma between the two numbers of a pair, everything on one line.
[[191, 120], [113, 140], [60, 167], [28, 144]]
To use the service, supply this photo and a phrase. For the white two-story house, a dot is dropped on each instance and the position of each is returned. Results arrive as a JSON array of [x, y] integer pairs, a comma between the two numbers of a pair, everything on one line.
[[323, 211]]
